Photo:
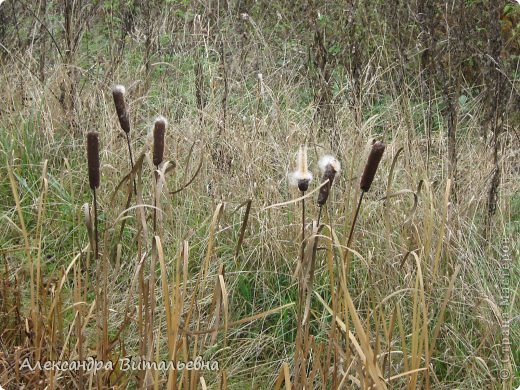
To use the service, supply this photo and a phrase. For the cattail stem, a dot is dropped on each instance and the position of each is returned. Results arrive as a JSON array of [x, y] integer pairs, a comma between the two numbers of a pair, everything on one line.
[[155, 201], [299, 332], [302, 251], [319, 215], [131, 159], [158, 154], [307, 301], [96, 237], [351, 234], [305, 291]]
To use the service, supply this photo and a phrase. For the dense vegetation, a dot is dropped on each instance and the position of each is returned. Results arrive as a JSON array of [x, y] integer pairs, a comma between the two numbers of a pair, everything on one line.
[[201, 253]]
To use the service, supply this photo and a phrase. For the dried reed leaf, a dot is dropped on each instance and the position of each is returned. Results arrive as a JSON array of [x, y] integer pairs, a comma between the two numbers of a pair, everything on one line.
[[165, 292], [244, 320], [244, 225], [440, 318], [294, 200], [225, 301], [284, 376]]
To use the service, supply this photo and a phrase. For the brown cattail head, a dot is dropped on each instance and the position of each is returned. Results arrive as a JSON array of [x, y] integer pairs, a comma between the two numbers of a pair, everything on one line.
[[374, 158], [158, 140], [303, 185], [330, 167], [118, 92], [93, 159]]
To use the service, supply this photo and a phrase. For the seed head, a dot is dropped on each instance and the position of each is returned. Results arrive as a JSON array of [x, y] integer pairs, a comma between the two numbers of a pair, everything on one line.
[[118, 92], [93, 159], [158, 140], [302, 176], [374, 158], [327, 160], [329, 167]]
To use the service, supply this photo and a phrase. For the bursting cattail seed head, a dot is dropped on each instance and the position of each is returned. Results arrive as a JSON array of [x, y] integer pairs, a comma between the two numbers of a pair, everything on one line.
[[93, 159], [327, 160], [329, 167], [158, 140], [118, 92], [302, 176], [374, 158]]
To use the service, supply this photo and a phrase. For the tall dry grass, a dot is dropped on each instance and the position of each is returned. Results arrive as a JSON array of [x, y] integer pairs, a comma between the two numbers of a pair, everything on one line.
[[203, 245]]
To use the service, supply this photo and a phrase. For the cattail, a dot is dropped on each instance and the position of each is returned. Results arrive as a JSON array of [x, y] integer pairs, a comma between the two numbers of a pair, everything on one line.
[[374, 158], [93, 159], [329, 167], [118, 92], [302, 176], [158, 140]]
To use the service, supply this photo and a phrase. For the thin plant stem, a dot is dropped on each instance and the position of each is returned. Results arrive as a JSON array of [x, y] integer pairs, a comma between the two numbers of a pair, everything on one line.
[[155, 201], [304, 297], [301, 273], [151, 281], [99, 306], [308, 296], [351, 234], [319, 216], [96, 238], [345, 258], [131, 159], [302, 251]]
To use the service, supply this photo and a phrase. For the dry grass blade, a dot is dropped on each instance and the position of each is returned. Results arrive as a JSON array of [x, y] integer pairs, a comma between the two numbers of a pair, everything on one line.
[[309, 270], [207, 244], [371, 365], [217, 303], [412, 372], [187, 164], [136, 170], [284, 376], [243, 227], [295, 200], [203, 383], [391, 171], [412, 211], [23, 230], [225, 302], [63, 281], [165, 293], [343, 327], [244, 320], [440, 318], [212, 228], [420, 331]]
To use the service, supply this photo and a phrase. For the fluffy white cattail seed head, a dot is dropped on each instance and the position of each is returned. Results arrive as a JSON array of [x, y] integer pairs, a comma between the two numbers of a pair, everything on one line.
[[329, 167], [119, 89], [302, 176], [327, 160]]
